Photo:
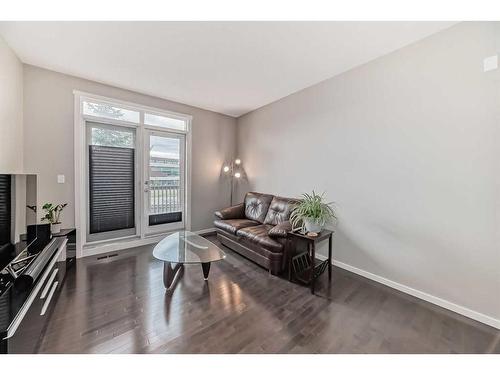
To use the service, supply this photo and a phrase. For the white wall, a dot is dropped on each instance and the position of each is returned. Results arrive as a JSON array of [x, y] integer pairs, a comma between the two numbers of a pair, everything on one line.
[[48, 141], [408, 148], [11, 110], [18, 205]]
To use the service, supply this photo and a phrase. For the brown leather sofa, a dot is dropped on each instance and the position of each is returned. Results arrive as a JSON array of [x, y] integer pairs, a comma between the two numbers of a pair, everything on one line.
[[257, 229]]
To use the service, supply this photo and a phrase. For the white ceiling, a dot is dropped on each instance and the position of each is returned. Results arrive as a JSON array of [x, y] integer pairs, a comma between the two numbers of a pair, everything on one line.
[[227, 67]]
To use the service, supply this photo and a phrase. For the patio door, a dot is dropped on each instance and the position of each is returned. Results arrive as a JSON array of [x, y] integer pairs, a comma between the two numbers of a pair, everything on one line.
[[164, 181]]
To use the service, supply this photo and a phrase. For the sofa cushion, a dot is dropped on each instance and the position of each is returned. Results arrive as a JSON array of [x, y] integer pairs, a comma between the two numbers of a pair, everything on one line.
[[233, 225], [259, 235], [256, 206], [281, 230], [233, 212], [280, 210]]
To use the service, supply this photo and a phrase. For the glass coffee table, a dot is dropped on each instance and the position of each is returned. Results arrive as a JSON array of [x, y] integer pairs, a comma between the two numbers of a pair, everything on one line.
[[183, 248]]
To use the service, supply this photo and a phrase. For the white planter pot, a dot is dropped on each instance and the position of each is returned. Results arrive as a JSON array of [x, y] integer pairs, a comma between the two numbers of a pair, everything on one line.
[[55, 228], [312, 226]]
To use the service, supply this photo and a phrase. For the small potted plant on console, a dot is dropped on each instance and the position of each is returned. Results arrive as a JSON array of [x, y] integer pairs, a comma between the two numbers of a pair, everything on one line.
[[53, 212], [311, 214]]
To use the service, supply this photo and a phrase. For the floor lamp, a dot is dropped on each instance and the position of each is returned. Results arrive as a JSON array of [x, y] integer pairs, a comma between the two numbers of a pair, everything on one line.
[[234, 171]]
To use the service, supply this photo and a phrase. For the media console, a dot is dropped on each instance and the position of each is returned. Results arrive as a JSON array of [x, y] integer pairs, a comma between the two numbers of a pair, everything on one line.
[[27, 298]]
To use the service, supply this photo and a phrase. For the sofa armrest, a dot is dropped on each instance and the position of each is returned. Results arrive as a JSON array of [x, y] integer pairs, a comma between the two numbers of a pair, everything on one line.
[[233, 212], [280, 230]]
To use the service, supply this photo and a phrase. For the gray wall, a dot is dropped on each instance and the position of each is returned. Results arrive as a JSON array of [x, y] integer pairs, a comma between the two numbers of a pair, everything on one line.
[[11, 111], [48, 141], [408, 148]]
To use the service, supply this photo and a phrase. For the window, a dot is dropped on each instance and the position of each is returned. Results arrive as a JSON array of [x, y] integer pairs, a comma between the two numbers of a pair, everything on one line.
[[165, 122], [105, 110], [132, 170]]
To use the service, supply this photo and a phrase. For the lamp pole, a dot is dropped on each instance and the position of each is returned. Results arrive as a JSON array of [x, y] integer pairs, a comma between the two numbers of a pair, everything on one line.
[[232, 178], [234, 170]]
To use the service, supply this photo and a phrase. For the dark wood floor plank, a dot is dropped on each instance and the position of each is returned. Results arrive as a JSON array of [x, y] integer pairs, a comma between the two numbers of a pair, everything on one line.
[[119, 305]]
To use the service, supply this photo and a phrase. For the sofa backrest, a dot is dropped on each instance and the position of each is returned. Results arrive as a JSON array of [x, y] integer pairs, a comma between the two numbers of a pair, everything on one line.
[[257, 205], [280, 210]]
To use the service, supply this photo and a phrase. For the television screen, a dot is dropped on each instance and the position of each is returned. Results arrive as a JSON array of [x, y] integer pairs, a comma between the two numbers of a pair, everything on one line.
[[18, 214]]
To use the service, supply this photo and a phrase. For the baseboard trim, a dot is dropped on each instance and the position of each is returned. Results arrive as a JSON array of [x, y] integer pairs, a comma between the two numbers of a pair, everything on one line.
[[119, 245], [133, 242], [488, 320]]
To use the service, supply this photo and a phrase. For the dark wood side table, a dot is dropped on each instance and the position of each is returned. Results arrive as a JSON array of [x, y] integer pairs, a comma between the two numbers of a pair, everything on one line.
[[64, 232], [306, 267]]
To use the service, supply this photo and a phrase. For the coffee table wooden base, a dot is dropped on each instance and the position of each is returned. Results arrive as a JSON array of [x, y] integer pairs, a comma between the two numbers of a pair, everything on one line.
[[170, 273]]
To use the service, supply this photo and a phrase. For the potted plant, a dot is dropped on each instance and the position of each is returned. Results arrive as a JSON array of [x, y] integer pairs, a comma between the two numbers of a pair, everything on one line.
[[53, 212], [312, 213]]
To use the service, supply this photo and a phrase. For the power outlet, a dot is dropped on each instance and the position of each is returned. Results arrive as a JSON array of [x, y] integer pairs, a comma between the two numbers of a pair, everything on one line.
[[490, 63], [60, 179]]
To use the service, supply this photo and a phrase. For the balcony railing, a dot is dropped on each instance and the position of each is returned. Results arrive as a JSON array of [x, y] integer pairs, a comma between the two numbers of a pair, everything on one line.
[[164, 198]]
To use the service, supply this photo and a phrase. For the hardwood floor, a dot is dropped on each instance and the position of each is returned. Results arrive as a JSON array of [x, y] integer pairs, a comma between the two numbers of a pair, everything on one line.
[[119, 305]]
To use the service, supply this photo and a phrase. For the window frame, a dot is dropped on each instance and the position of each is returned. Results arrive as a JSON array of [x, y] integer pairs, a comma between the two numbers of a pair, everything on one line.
[[142, 109], [80, 132]]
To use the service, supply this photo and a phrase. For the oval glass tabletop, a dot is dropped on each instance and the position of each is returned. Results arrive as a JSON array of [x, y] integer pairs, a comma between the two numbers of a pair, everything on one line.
[[187, 248]]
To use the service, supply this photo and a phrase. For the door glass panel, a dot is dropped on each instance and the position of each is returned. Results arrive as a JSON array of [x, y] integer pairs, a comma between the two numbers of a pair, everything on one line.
[[111, 182], [113, 137], [165, 182]]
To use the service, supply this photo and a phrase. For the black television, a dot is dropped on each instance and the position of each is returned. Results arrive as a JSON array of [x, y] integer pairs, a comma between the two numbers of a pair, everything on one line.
[[18, 215]]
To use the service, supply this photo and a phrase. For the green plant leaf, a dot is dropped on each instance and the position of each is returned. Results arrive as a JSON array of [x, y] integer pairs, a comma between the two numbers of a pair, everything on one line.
[[312, 207]]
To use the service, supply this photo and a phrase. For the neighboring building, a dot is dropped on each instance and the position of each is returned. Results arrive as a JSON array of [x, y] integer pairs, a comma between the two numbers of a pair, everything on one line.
[[164, 168]]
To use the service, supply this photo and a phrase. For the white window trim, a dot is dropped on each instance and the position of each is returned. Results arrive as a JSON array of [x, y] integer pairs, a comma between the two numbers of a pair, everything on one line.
[[80, 164]]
